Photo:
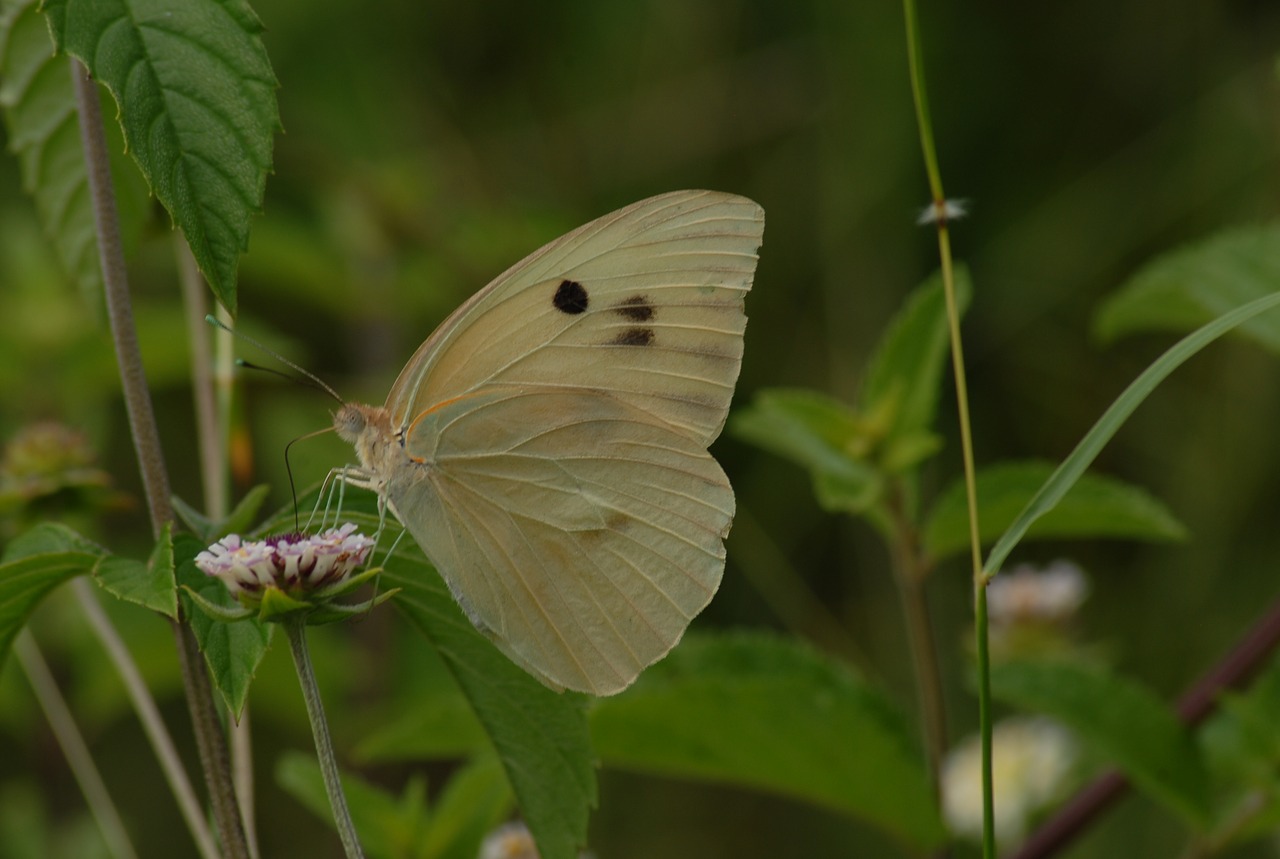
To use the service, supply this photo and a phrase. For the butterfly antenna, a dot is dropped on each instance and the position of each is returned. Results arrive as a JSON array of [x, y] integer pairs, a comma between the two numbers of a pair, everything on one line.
[[315, 380], [288, 469]]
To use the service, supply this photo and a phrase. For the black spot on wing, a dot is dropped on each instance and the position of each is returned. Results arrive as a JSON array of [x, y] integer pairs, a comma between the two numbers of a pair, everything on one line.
[[633, 337], [636, 308], [570, 297]]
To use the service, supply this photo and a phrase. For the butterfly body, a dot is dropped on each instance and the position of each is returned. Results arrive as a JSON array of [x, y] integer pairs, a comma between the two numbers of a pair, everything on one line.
[[546, 446]]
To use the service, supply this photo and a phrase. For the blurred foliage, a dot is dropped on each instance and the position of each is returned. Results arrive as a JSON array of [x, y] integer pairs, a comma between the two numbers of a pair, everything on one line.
[[429, 145]]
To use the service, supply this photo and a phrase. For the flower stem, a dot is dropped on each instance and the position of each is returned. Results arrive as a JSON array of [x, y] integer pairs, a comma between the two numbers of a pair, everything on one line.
[[296, 629], [146, 438]]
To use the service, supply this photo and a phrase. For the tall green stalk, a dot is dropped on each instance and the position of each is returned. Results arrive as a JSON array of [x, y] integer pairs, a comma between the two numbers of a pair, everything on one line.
[[941, 211]]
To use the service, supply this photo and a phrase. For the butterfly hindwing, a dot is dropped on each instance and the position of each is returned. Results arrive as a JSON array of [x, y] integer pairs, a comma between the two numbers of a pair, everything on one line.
[[582, 536]]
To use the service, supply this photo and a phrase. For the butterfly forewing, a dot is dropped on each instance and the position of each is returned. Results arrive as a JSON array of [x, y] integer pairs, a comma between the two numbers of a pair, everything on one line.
[[646, 303]]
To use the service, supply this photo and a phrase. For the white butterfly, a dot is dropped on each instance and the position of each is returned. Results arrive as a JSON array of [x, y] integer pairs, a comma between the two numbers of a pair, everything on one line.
[[547, 445]]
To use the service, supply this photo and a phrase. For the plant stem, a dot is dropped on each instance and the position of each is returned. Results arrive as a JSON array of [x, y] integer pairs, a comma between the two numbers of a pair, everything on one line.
[[297, 631], [209, 438], [923, 122], [149, 715], [910, 576], [146, 438], [73, 746]]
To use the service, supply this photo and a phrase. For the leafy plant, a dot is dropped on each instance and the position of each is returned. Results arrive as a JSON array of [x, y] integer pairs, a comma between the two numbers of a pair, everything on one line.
[[195, 97]]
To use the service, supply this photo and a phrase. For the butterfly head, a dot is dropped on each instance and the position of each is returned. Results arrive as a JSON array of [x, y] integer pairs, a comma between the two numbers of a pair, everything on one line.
[[368, 428], [350, 421]]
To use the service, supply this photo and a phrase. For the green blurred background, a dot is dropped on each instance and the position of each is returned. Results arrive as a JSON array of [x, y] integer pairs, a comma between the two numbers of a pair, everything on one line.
[[429, 145]]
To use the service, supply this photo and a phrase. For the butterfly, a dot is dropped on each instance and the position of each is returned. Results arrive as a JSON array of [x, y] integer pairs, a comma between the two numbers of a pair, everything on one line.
[[547, 445]]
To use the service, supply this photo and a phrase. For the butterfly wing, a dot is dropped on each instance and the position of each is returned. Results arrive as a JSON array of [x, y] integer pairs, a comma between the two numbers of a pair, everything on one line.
[[582, 536], [558, 423], [645, 303]]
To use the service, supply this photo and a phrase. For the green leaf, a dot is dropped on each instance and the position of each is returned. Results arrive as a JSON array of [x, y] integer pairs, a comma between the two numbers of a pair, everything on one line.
[[1057, 486], [1241, 743], [40, 114], [540, 736], [818, 433], [1192, 285], [243, 515], [444, 726], [476, 799], [1095, 506], [34, 563], [909, 362], [232, 651], [768, 713], [388, 826], [1122, 721], [151, 585], [201, 525], [43, 130], [238, 521], [196, 98], [473, 802]]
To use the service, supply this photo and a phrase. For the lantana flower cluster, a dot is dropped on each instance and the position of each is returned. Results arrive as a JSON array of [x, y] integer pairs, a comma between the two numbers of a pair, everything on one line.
[[294, 563]]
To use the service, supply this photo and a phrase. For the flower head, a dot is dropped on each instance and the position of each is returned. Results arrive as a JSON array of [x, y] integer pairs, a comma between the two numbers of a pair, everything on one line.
[[1028, 595], [293, 563], [1032, 761], [513, 840]]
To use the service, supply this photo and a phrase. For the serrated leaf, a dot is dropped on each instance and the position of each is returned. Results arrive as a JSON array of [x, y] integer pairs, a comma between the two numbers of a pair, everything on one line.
[[50, 537], [1057, 486], [1095, 506], [232, 651], [1194, 284], [909, 361], [818, 433], [772, 714], [40, 115], [1121, 721], [150, 585], [35, 563], [196, 98]]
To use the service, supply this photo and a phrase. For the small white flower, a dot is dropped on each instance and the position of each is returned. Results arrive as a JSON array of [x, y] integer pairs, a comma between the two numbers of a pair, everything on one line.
[[509, 841], [290, 562], [1028, 595], [512, 840], [1032, 759]]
